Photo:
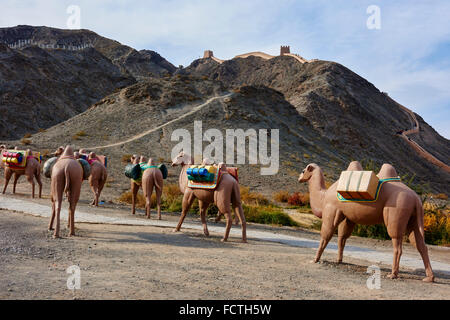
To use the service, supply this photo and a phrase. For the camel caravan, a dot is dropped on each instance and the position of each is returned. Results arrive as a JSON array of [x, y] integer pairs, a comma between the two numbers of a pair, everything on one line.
[[358, 197]]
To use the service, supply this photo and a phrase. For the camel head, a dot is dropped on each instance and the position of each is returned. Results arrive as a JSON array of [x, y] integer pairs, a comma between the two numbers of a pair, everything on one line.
[[207, 162], [92, 155], [59, 151], [134, 159], [307, 172], [76, 155], [83, 151], [182, 159]]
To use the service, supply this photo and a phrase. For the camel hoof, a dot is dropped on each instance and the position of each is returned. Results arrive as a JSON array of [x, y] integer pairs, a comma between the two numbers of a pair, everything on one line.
[[175, 230], [339, 261], [50, 229], [393, 276], [206, 234], [223, 240], [428, 279], [315, 260], [244, 241], [55, 236]]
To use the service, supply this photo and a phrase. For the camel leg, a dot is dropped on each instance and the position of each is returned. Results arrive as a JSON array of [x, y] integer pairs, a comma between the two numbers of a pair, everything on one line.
[[188, 199], [239, 214], [72, 206], [396, 230], [218, 217], [397, 245], [147, 188], [228, 226], [30, 179], [326, 233], [58, 214], [203, 207], [158, 201], [8, 174], [94, 187], [50, 225], [134, 192], [345, 230], [39, 181], [16, 178], [419, 242], [101, 184]]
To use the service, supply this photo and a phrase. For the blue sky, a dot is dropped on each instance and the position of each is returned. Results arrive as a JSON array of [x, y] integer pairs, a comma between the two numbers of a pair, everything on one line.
[[408, 57]]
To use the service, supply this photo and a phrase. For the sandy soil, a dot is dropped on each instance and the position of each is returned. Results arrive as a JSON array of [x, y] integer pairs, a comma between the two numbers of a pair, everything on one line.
[[146, 262], [132, 262]]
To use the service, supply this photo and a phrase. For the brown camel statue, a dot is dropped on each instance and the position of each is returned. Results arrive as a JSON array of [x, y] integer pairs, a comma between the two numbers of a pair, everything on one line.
[[226, 192], [152, 178], [31, 170], [135, 185], [98, 177], [66, 177], [398, 207]]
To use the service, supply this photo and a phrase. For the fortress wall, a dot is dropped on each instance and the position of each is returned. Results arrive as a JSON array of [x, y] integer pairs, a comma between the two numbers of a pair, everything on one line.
[[255, 54]]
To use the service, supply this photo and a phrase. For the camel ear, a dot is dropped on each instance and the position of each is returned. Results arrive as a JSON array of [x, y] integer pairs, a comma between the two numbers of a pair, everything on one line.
[[310, 168]]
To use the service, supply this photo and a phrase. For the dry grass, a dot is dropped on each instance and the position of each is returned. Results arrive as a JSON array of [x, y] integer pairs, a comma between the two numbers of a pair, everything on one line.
[[126, 158], [126, 197], [27, 135], [299, 199], [281, 196], [441, 196], [253, 198], [25, 141]]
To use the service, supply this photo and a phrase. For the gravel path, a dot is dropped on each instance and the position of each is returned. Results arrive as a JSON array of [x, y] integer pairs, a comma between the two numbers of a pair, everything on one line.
[[126, 257]]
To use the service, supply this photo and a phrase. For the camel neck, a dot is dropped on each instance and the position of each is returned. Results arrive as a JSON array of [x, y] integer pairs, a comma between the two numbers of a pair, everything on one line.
[[317, 191], [182, 181]]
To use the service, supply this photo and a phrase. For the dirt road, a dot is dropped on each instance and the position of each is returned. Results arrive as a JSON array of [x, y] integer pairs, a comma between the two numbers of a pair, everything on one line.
[[150, 262]]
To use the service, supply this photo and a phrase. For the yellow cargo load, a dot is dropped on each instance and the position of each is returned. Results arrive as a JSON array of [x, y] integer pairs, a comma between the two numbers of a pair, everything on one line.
[[358, 185]]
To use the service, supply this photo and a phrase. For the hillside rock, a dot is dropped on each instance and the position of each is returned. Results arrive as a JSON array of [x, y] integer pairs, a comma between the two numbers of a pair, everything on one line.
[[40, 87]]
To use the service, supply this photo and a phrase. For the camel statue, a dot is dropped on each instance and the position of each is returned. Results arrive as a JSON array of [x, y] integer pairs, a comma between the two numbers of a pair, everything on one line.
[[398, 207], [226, 192], [31, 170], [152, 178], [207, 161], [135, 185], [66, 177], [98, 177]]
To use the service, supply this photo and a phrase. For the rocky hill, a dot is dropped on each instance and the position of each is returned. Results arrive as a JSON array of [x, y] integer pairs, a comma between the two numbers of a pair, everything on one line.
[[52, 74], [173, 102], [326, 113]]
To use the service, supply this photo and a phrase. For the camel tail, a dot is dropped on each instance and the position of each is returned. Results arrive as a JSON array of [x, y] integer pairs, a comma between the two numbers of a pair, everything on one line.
[[419, 216], [157, 186], [67, 176], [236, 194]]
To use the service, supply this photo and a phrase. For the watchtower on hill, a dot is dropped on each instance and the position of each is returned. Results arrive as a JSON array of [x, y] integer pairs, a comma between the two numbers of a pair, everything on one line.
[[208, 54], [285, 49]]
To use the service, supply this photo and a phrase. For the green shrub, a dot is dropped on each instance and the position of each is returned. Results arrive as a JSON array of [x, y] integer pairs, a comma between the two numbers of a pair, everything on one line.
[[376, 231], [267, 215]]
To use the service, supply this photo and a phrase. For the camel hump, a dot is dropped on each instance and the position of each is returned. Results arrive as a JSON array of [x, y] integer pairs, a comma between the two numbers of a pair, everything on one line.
[[355, 166], [387, 171], [68, 151]]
